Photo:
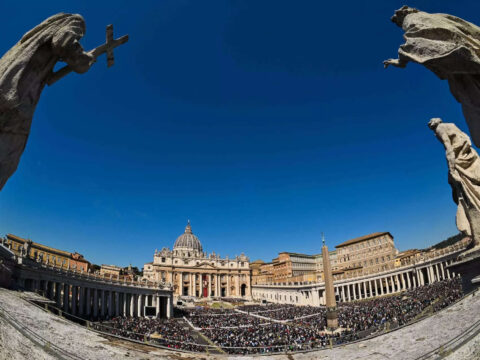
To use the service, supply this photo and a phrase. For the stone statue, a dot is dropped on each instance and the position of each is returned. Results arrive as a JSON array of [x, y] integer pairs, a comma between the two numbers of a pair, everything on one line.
[[449, 47], [463, 175], [27, 67]]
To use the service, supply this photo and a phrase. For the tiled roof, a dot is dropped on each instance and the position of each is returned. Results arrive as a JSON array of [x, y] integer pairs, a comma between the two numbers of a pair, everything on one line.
[[363, 238]]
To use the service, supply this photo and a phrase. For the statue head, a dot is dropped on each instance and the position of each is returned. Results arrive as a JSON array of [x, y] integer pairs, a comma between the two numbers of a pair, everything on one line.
[[433, 123], [401, 13]]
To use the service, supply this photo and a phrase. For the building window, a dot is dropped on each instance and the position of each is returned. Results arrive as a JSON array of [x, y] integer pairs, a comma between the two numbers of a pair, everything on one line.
[[163, 259]]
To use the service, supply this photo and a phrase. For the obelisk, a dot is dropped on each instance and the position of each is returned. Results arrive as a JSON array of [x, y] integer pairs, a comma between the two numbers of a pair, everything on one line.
[[331, 304]]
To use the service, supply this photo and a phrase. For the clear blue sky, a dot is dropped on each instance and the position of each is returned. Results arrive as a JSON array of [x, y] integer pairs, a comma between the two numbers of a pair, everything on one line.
[[263, 122]]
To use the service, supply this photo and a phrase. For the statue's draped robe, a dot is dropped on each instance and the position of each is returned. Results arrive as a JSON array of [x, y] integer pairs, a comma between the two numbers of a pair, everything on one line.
[[24, 70], [450, 47], [467, 164]]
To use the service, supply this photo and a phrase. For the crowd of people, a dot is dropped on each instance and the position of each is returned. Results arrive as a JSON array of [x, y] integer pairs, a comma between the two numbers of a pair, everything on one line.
[[276, 327], [173, 333]]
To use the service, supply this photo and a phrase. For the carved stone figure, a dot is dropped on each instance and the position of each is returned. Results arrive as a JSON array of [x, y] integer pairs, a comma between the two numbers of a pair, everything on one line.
[[449, 47], [27, 67], [463, 175]]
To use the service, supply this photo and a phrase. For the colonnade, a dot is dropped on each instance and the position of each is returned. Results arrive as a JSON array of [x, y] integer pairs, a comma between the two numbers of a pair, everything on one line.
[[365, 287], [92, 302]]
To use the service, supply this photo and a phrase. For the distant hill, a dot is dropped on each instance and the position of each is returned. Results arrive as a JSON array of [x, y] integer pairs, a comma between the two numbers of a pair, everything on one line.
[[447, 242]]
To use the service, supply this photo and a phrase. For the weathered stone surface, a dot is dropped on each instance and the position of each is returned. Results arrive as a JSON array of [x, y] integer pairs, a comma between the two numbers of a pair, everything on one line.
[[24, 71], [448, 46], [463, 174]]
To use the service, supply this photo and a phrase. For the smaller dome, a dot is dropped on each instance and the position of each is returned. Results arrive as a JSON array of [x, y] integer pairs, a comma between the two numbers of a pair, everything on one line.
[[188, 241]]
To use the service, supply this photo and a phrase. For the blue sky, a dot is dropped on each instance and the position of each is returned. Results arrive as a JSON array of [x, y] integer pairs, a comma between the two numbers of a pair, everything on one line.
[[263, 122]]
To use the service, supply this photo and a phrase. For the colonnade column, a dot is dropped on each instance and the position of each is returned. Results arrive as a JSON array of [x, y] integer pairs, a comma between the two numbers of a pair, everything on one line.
[[95, 303], [157, 299], [58, 294], [66, 296], [110, 303], [117, 303], [343, 293], [88, 301], [132, 305], [124, 304], [81, 301], [443, 271], [139, 305], [74, 300], [348, 293], [103, 303]]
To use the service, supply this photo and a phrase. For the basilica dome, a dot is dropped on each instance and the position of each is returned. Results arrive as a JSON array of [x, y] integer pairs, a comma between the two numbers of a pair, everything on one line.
[[188, 241]]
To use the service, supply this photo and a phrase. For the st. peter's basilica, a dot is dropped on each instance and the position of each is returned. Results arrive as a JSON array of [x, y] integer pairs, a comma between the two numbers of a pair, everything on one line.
[[193, 273]]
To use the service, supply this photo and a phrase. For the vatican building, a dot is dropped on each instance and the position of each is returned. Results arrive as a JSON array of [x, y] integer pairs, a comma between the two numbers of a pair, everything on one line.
[[195, 274]]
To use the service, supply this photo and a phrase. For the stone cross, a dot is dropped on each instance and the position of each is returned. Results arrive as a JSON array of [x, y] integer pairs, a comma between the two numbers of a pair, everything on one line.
[[107, 48]]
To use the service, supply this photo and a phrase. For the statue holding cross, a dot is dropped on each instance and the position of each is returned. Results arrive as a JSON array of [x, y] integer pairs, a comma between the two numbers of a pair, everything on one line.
[[27, 67]]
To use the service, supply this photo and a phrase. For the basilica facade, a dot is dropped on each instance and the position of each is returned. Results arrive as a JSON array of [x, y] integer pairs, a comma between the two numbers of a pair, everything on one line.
[[193, 273]]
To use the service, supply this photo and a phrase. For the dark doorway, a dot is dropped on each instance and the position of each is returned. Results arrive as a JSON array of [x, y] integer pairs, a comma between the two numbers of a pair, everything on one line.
[[223, 292], [185, 291], [243, 290]]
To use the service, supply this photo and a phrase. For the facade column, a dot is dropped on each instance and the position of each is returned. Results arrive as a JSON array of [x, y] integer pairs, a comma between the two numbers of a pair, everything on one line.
[[124, 304], [191, 284], [66, 297], [218, 291], [117, 303], [375, 285], [348, 293], [370, 288], [429, 275], [237, 285], [180, 284], [354, 285], [209, 279], [448, 273], [228, 284], [95, 303], [414, 280], [169, 306], [364, 290], [407, 275], [442, 270], [343, 293], [381, 285], [88, 302]]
